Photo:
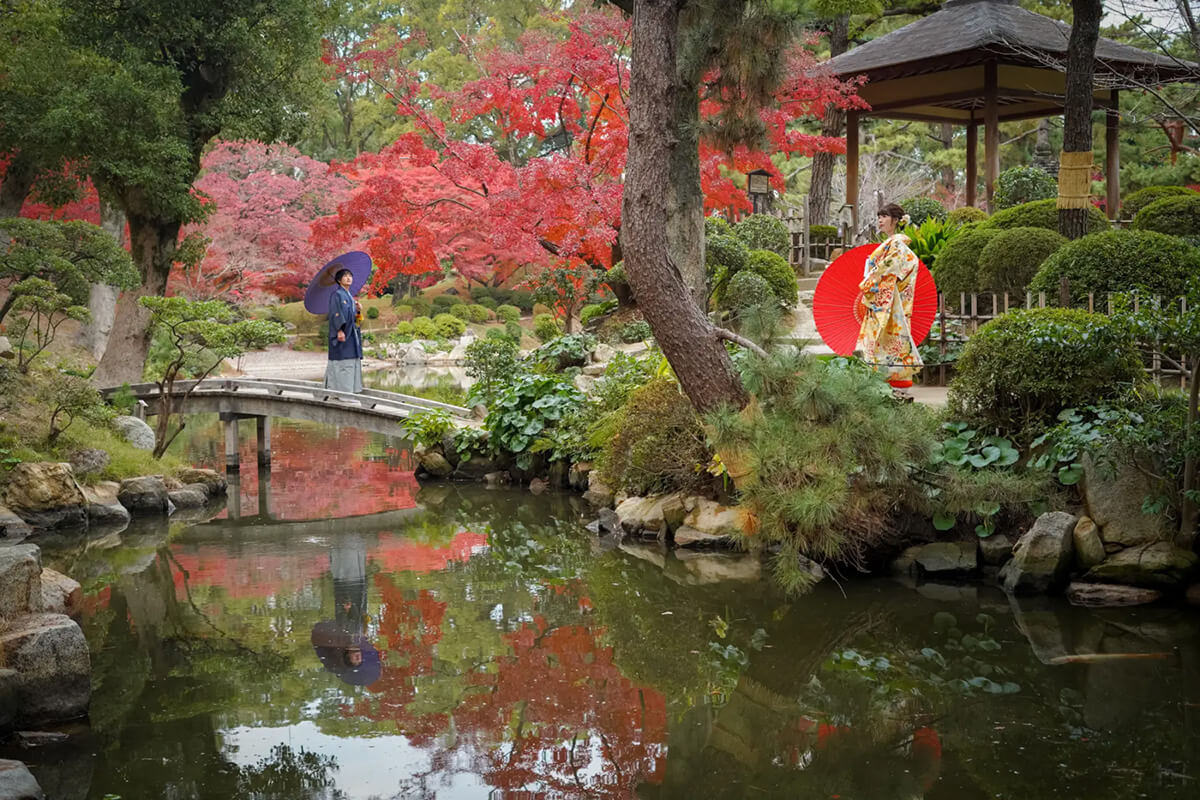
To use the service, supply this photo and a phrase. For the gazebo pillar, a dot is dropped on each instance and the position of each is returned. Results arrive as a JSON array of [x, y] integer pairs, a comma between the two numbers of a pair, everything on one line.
[[1112, 156], [972, 159], [991, 131], [852, 170]]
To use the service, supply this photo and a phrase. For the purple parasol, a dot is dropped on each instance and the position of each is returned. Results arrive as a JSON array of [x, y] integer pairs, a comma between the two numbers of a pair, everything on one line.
[[316, 299]]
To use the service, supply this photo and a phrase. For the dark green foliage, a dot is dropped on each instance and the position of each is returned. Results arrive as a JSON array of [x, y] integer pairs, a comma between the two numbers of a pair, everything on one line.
[[488, 302], [564, 351], [717, 226], [546, 327], [1011, 258], [1119, 261], [764, 232], [1138, 200], [957, 267], [526, 406], [490, 362], [659, 444], [420, 305], [1018, 185], [508, 313], [831, 452], [823, 233], [920, 209], [1021, 369], [445, 301], [724, 257], [1176, 216], [961, 216], [777, 273], [635, 331], [747, 289], [372, 312], [1041, 214], [68, 398]]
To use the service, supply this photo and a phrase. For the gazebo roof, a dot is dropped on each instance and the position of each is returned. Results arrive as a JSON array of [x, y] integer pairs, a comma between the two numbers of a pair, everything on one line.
[[964, 33]]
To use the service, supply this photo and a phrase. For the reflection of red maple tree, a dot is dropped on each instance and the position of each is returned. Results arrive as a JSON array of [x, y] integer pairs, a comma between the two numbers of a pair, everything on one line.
[[398, 553], [411, 623], [582, 728]]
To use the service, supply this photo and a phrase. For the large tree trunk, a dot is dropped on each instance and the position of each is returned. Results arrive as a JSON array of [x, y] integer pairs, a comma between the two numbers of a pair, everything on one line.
[[1077, 119], [102, 299], [685, 213], [684, 332], [949, 179], [820, 190], [17, 184], [153, 245]]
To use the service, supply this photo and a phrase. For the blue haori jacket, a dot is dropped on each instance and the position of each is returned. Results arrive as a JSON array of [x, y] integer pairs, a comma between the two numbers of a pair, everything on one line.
[[341, 318]]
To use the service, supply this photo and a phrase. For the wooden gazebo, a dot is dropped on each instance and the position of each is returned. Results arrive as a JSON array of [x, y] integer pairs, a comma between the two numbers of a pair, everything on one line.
[[989, 61]]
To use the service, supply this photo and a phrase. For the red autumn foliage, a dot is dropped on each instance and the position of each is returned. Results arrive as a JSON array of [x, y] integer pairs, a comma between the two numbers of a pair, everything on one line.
[[546, 189], [264, 198]]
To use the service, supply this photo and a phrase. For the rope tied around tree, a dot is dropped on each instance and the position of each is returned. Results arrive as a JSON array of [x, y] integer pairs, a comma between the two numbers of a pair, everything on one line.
[[1075, 179]]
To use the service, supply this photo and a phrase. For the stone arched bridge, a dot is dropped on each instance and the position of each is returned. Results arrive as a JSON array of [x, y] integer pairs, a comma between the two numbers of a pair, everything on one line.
[[238, 398]]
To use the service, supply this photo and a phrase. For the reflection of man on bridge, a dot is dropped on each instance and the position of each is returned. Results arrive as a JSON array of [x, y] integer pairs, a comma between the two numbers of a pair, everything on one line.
[[341, 643]]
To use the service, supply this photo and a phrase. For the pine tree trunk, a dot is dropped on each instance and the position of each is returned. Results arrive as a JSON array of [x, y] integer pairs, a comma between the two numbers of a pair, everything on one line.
[[820, 191], [153, 243], [16, 186], [1077, 111], [683, 331], [949, 179]]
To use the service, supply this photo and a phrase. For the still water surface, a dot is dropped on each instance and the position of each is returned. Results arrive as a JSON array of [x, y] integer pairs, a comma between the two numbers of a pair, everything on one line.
[[342, 632]]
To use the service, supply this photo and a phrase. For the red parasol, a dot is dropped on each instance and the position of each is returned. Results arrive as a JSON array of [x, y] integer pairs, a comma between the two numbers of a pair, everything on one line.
[[835, 301]]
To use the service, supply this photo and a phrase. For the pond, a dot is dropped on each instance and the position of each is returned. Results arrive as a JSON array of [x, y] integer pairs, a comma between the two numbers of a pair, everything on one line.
[[342, 632]]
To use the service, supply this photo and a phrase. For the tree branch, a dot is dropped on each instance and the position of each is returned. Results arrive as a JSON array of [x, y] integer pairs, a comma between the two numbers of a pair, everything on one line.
[[729, 336]]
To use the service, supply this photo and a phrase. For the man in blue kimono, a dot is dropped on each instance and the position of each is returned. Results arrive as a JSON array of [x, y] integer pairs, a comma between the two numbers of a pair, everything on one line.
[[344, 373]]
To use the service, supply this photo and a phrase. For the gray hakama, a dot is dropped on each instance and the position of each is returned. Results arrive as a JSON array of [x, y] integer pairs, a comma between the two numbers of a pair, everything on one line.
[[344, 375]]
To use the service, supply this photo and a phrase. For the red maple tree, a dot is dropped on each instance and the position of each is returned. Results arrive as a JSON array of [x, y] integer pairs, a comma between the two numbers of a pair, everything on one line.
[[537, 177], [265, 198]]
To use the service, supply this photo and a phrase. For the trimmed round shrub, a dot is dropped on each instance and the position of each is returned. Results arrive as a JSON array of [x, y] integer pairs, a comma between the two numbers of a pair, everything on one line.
[[764, 232], [488, 302], [425, 328], [508, 313], [404, 328], [725, 252], [717, 226], [1176, 216], [420, 305], [1011, 258], [1138, 200], [920, 209], [403, 311], [479, 312], [1024, 367], [522, 300], [513, 330], [372, 312], [461, 311], [822, 233], [747, 289], [777, 273], [1018, 185], [961, 216], [449, 326], [1119, 261], [546, 327], [956, 269], [1041, 214], [497, 333], [446, 300]]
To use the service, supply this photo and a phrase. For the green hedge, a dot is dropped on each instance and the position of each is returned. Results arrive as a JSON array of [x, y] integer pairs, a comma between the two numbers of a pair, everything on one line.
[[764, 232], [1175, 216], [1011, 258], [823, 233], [507, 313], [1024, 367], [1041, 214], [1018, 185], [920, 209], [956, 269], [1119, 261], [1138, 200], [747, 289], [961, 216], [449, 326], [778, 274]]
